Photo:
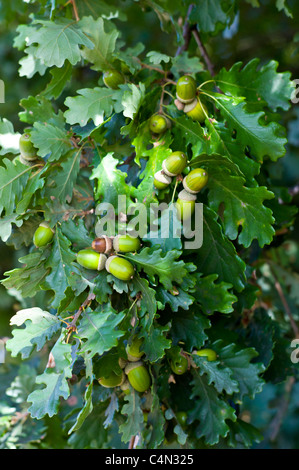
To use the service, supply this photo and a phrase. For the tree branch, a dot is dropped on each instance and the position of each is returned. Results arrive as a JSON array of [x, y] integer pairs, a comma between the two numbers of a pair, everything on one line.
[[186, 32], [203, 52]]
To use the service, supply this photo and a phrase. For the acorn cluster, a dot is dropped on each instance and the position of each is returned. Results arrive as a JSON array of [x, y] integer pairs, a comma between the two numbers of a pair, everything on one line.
[[179, 363], [133, 372], [101, 256], [193, 182], [188, 99]]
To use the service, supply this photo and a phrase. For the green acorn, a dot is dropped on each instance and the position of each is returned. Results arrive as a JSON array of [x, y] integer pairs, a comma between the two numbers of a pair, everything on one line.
[[114, 380], [182, 418], [120, 268], [133, 349], [126, 243], [185, 205], [195, 180], [179, 364], [138, 376], [161, 181], [112, 79], [158, 123], [174, 164], [186, 89], [43, 235], [210, 354], [27, 149], [90, 259], [196, 110]]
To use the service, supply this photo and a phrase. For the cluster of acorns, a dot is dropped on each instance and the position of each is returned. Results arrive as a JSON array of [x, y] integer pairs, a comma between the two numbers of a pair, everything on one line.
[[188, 99], [179, 363], [96, 257], [133, 372], [193, 182]]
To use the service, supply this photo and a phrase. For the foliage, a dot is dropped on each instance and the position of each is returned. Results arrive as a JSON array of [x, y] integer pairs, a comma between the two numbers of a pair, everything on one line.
[[237, 294]]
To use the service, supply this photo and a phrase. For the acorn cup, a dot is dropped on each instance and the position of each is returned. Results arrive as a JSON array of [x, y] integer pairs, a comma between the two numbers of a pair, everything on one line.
[[102, 244], [159, 123], [186, 89], [120, 268], [112, 79], [195, 180], [43, 235], [161, 181], [196, 110], [90, 259], [138, 376], [133, 349], [185, 205], [126, 244], [174, 164]]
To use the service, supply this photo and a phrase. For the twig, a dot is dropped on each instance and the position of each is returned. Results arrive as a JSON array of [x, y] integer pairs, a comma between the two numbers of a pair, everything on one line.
[[186, 32], [285, 304], [72, 326], [73, 2], [203, 52], [276, 422]]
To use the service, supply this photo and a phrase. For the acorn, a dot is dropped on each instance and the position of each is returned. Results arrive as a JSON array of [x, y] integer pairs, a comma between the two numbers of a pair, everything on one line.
[[196, 110], [186, 89], [195, 180], [126, 243], [27, 149], [120, 268], [161, 181], [102, 244], [210, 354], [90, 259], [138, 376], [133, 349], [114, 380], [179, 364], [43, 235], [185, 205], [182, 417], [159, 123], [174, 164], [112, 79]]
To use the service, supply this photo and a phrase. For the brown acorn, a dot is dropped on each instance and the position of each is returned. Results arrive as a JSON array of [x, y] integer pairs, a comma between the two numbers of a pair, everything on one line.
[[102, 244]]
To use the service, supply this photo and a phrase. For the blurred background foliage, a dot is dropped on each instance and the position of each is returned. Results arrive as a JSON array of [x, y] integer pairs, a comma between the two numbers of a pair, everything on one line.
[[262, 32]]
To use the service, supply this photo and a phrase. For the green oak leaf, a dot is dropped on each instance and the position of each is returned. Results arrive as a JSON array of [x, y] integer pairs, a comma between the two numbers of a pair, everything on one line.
[[157, 264], [132, 411], [50, 140], [101, 55], [58, 41], [99, 330], [47, 400], [259, 86], [212, 296], [190, 327], [218, 254], [40, 326]]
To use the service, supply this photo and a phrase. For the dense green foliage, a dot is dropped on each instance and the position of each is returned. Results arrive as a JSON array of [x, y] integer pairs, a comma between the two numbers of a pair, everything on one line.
[[66, 326]]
